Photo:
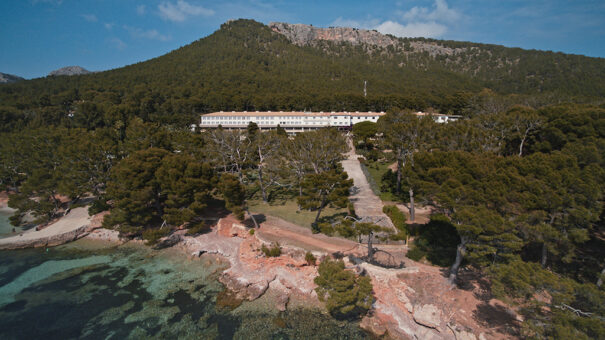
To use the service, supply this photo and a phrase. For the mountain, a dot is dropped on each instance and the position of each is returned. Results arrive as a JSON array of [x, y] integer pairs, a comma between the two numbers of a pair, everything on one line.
[[9, 78], [508, 70], [69, 71], [246, 65]]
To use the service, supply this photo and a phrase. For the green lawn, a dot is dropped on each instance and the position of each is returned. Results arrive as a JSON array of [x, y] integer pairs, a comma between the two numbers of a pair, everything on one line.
[[377, 170], [288, 210]]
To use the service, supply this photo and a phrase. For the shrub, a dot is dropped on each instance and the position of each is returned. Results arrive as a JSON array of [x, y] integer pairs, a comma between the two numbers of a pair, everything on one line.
[[310, 258], [415, 253], [251, 232], [197, 228], [345, 229], [326, 228], [438, 240], [346, 295], [396, 216], [152, 236], [351, 209], [98, 205], [274, 251]]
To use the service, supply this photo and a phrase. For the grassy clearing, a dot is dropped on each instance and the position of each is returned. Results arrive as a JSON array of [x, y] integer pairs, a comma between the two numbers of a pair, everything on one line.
[[288, 210]]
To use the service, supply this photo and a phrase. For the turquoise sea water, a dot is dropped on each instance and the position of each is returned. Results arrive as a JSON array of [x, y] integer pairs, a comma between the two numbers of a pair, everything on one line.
[[94, 290]]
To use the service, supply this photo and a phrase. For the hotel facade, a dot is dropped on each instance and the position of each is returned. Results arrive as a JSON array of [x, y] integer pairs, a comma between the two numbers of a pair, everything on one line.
[[294, 122]]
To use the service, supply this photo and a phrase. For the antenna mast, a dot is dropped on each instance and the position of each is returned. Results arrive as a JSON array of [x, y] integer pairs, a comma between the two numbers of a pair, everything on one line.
[[365, 92]]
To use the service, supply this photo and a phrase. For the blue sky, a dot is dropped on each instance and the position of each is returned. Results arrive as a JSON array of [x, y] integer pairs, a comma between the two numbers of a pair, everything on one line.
[[38, 36]]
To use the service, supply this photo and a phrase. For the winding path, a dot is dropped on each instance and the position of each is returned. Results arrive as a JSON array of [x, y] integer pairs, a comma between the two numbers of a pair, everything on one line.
[[367, 205]]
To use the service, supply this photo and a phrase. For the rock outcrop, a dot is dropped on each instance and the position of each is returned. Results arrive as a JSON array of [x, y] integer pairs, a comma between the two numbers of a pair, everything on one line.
[[302, 35], [49, 241], [69, 71], [251, 273], [415, 302], [6, 78]]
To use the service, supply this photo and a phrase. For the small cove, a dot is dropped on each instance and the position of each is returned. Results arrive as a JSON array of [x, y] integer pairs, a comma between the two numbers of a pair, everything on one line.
[[97, 290]]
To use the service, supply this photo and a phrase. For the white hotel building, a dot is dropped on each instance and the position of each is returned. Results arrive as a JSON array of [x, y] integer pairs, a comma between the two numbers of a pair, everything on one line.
[[292, 122]]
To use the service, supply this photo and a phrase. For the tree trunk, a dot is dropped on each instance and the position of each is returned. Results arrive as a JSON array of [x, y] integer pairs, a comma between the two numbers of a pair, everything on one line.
[[460, 251], [412, 211], [521, 145], [600, 280], [544, 254], [370, 247], [262, 184], [256, 226], [399, 165], [318, 213]]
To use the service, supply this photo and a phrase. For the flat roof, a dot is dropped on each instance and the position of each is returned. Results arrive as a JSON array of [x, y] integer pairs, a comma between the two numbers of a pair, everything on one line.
[[290, 113]]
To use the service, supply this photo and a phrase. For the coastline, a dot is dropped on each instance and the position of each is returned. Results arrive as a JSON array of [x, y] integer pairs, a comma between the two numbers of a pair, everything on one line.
[[413, 301]]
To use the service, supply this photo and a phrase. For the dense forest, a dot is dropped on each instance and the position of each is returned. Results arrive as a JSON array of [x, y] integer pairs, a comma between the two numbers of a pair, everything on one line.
[[516, 185], [517, 195], [246, 66]]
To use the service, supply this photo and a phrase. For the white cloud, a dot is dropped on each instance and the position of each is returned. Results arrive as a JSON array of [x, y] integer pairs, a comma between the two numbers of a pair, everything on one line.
[[141, 9], [180, 10], [90, 17], [439, 13], [413, 29], [433, 22], [117, 43], [152, 34], [109, 25]]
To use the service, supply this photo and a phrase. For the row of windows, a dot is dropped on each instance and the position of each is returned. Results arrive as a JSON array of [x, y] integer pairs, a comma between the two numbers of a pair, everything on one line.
[[286, 118]]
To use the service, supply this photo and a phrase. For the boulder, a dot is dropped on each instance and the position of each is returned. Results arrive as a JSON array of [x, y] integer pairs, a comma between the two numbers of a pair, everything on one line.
[[427, 315]]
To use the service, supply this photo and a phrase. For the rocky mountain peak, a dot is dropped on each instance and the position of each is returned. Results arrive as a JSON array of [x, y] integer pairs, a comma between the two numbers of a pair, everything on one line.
[[69, 71], [301, 34], [6, 78]]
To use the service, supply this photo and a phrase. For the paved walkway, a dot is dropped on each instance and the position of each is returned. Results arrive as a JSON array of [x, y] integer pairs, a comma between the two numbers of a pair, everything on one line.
[[367, 205], [64, 227]]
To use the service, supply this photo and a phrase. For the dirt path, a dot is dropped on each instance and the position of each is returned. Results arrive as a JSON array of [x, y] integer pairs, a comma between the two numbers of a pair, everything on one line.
[[366, 203], [286, 233], [67, 225]]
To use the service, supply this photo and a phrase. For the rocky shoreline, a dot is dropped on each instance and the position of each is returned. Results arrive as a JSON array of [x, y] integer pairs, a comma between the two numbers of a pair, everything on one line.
[[52, 240], [413, 302]]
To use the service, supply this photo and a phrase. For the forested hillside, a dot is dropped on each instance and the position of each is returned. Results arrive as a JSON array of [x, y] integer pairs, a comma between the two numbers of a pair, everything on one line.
[[516, 190], [247, 66]]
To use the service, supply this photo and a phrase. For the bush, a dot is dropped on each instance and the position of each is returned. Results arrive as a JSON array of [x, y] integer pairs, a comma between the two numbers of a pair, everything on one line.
[[415, 253], [152, 236], [351, 208], [274, 251], [345, 229], [310, 258], [326, 229], [197, 228], [251, 232], [345, 294], [438, 240], [398, 219], [98, 205]]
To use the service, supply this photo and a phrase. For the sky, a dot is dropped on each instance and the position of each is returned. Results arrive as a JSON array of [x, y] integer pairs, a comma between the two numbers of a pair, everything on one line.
[[38, 36]]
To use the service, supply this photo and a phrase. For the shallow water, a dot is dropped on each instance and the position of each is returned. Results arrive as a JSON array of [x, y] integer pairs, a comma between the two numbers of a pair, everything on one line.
[[84, 290], [6, 229]]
